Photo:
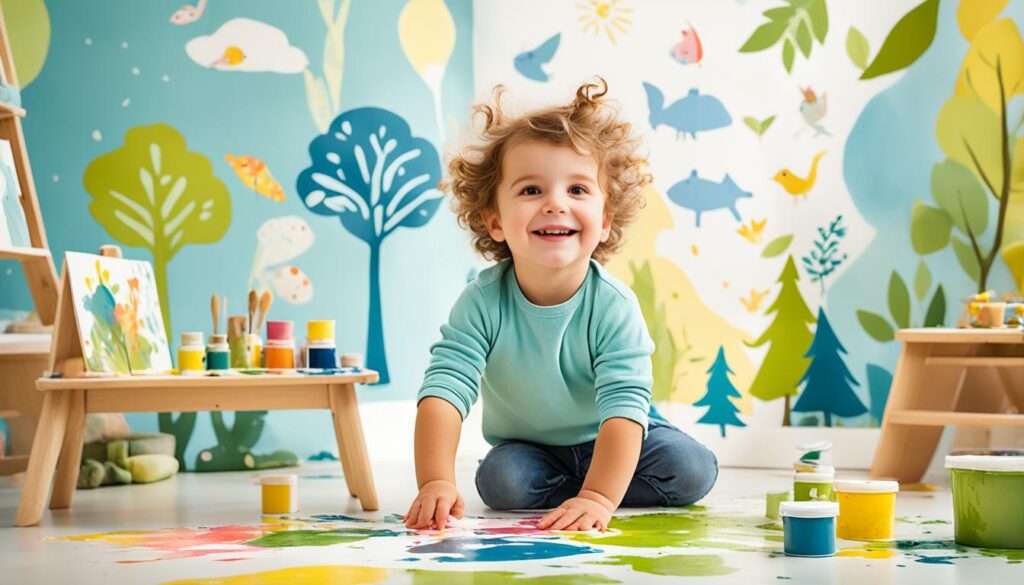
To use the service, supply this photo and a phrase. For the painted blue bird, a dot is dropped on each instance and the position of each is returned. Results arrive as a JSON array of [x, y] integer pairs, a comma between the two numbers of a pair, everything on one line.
[[688, 115], [530, 63]]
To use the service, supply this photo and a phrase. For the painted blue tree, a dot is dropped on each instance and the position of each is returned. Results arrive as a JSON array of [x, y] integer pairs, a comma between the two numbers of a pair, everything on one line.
[[370, 171], [721, 410], [828, 383]]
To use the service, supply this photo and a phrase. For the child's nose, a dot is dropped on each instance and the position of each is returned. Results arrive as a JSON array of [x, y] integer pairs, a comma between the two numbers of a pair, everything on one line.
[[555, 203]]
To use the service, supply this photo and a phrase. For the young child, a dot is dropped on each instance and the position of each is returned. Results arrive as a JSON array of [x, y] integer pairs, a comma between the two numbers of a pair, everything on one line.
[[556, 345]]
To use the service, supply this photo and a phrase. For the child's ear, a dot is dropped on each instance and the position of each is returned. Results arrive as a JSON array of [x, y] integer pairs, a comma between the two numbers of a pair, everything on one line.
[[606, 226], [493, 224]]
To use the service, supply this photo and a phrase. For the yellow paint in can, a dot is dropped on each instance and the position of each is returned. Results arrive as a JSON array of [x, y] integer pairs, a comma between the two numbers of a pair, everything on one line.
[[867, 509], [280, 494], [320, 330]]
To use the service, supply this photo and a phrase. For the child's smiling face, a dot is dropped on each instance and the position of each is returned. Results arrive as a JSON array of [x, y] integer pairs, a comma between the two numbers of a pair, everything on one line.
[[550, 207]]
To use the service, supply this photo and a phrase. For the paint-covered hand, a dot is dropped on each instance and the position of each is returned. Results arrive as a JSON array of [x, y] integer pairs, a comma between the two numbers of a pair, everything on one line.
[[587, 511], [437, 501]]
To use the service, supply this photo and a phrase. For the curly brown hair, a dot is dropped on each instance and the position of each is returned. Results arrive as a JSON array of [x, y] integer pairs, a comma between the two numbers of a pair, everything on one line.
[[589, 125]]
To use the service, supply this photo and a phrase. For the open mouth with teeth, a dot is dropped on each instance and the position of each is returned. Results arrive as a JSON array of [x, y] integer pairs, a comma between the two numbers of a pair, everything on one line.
[[555, 235]]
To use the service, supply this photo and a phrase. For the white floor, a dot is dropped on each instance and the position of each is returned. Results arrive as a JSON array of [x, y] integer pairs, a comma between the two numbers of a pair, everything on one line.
[[195, 526]]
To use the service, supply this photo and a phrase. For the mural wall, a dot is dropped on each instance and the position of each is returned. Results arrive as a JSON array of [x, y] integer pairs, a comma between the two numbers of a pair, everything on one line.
[[824, 175]]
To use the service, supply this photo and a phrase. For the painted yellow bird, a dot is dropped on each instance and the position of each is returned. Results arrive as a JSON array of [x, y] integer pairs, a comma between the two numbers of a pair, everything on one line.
[[754, 231], [756, 298], [232, 56], [795, 185]]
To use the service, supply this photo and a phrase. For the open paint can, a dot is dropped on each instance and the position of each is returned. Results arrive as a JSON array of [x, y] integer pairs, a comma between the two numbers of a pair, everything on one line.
[[988, 500], [867, 509], [280, 493], [809, 528]]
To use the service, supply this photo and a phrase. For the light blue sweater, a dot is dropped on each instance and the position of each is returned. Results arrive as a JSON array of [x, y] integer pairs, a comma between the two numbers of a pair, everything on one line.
[[548, 375]]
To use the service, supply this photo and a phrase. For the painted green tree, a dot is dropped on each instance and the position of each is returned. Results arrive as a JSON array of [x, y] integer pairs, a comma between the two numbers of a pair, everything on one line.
[[984, 159], [798, 23], [788, 336], [153, 193], [718, 399], [828, 383]]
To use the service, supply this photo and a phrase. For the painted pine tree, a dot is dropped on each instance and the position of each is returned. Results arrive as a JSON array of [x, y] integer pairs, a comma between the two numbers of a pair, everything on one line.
[[828, 384], [788, 337], [721, 410]]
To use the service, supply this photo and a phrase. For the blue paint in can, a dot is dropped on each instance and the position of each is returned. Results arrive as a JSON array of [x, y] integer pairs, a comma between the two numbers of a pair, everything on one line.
[[809, 528], [320, 356]]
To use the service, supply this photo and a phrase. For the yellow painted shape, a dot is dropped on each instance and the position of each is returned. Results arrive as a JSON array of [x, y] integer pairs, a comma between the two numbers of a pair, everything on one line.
[[426, 32], [996, 39], [972, 15], [277, 499], [685, 309], [314, 575], [919, 487], [865, 553], [864, 516]]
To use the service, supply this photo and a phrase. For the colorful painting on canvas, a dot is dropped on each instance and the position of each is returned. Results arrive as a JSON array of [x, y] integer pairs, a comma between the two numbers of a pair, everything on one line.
[[13, 228], [118, 314]]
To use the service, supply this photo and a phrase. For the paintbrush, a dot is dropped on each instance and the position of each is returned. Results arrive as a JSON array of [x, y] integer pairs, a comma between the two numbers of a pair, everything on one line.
[[253, 301], [215, 310], [265, 300]]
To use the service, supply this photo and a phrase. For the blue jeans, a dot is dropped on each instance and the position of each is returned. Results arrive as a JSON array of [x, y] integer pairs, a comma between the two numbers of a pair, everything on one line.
[[674, 470]]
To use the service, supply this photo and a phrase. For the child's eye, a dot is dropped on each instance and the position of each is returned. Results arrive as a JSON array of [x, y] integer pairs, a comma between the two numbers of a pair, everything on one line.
[[530, 190], [578, 190]]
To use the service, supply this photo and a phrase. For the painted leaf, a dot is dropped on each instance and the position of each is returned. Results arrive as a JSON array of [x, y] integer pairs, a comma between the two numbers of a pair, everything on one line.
[[753, 124], [857, 48], [777, 246], [930, 228], [968, 261], [899, 300], [765, 36], [907, 41], [317, 100], [768, 122], [803, 38], [879, 382], [922, 280], [1017, 176], [1013, 226], [996, 47], [972, 15], [1013, 255], [875, 325], [958, 193], [818, 11], [788, 54], [936, 314], [967, 131]]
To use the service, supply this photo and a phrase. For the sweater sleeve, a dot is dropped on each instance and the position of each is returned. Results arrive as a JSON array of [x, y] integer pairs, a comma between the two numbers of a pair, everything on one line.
[[622, 362], [457, 361]]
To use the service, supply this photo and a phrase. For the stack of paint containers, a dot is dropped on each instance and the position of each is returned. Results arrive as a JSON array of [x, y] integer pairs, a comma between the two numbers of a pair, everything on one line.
[[279, 352], [192, 354], [218, 353], [321, 351]]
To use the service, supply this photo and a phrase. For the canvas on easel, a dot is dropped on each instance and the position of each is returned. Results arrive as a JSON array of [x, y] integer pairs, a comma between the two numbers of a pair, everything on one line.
[[116, 313], [13, 227]]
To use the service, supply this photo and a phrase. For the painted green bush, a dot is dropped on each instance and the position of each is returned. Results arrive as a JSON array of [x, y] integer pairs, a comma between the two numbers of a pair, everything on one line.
[[797, 25], [900, 307]]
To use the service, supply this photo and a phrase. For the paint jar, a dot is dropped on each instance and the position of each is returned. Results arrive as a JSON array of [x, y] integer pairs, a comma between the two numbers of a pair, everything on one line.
[[191, 354], [991, 314], [320, 331], [280, 493], [279, 354], [218, 353], [254, 351], [237, 337], [351, 360], [772, 501], [321, 354], [988, 500], [809, 528], [280, 330], [867, 509], [812, 486]]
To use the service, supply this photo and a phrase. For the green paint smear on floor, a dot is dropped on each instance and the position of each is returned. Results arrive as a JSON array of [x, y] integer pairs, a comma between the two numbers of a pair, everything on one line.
[[287, 538], [693, 528], [422, 577], [674, 565], [1012, 556]]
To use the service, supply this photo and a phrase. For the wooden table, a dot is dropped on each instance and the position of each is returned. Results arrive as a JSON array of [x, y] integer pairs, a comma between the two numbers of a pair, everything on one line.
[[67, 400], [933, 387], [23, 358]]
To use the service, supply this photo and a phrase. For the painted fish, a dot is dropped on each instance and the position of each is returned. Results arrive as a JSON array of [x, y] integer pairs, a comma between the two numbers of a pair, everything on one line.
[[688, 51], [255, 174], [531, 63], [701, 195], [688, 115]]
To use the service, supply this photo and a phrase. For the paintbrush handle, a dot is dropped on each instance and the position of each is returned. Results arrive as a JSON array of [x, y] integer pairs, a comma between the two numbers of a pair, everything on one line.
[[215, 311]]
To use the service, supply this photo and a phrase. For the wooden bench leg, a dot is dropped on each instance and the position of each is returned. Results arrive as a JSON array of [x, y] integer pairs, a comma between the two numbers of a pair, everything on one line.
[[70, 460], [343, 452], [349, 431], [45, 449]]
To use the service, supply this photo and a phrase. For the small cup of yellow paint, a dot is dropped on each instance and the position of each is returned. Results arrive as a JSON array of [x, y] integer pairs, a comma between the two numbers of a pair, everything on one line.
[[280, 493], [867, 509]]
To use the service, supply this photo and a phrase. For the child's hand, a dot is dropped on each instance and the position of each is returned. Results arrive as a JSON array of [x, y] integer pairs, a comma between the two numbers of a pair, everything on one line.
[[436, 501], [586, 511]]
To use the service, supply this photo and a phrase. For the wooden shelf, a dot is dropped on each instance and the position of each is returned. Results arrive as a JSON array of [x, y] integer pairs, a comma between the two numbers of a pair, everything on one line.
[[949, 335], [939, 418], [9, 111], [10, 413], [23, 253], [13, 464], [975, 361]]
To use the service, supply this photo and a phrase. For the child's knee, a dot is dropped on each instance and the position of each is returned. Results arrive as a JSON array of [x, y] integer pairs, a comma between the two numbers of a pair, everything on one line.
[[505, 481], [695, 471]]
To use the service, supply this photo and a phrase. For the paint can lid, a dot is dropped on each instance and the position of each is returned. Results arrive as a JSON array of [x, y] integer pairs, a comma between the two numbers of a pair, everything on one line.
[[281, 343], [813, 477], [192, 338], [218, 339], [809, 509], [320, 343], [351, 360], [280, 479], [867, 486], [986, 462]]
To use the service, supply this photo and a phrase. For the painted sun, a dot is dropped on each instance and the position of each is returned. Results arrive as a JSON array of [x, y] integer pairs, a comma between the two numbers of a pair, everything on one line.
[[607, 17]]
